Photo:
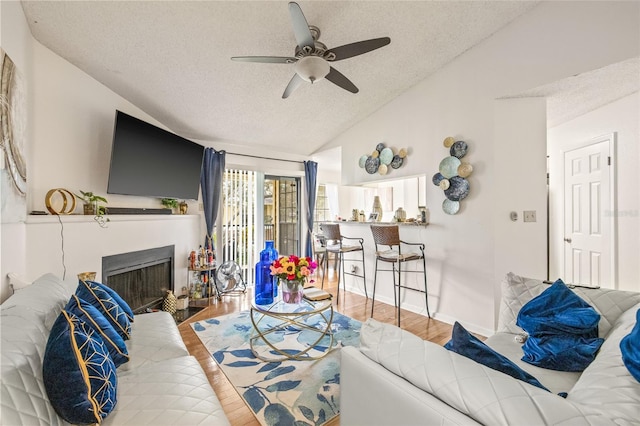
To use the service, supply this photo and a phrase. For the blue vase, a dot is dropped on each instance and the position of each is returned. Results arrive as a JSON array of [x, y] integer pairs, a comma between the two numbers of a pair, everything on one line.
[[273, 256], [264, 280]]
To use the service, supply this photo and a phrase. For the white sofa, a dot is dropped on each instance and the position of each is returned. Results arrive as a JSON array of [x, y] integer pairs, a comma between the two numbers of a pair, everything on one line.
[[161, 384], [396, 378]]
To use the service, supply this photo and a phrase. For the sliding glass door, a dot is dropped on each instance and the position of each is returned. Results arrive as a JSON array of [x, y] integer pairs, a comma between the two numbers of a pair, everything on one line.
[[287, 214], [238, 216], [251, 216]]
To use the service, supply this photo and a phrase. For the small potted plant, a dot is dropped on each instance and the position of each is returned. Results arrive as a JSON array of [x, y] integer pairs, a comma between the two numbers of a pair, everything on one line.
[[92, 204], [169, 203]]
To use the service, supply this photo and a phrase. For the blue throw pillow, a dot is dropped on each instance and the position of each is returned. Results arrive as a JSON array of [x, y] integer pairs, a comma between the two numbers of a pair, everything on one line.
[[97, 295], [464, 343], [562, 328], [93, 318], [630, 348], [78, 373], [115, 296]]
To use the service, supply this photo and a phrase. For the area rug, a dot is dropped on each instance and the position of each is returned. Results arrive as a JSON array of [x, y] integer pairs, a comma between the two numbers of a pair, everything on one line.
[[281, 393]]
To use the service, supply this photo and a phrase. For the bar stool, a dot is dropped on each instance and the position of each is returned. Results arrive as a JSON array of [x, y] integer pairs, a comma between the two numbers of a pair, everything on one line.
[[389, 236], [331, 232], [320, 251]]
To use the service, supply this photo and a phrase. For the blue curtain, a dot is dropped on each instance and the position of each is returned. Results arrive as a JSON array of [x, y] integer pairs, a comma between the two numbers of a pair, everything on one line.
[[310, 178], [213, 166]]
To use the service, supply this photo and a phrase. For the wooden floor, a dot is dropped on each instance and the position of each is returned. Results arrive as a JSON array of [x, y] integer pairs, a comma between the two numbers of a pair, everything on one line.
[[352, 305]]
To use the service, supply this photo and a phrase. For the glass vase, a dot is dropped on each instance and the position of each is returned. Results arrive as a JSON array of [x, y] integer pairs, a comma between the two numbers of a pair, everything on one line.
[[264, 280], [273, 256], [292, 291]]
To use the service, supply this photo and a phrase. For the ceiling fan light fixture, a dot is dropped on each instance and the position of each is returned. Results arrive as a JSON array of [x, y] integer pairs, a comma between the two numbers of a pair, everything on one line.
[[312, 68]]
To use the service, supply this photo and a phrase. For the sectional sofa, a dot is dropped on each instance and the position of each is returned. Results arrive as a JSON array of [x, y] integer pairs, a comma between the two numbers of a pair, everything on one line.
[[395, 377], [161, 383]]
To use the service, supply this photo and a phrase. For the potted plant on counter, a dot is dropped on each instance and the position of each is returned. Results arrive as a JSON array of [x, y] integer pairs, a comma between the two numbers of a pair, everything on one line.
[[92, 203], [169, 203]]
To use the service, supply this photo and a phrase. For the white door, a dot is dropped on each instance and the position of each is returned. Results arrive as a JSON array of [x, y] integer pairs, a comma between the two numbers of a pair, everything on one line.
[[588, 219]]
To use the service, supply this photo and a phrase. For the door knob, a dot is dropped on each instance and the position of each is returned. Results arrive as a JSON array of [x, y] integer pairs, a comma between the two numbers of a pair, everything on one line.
[[568, 240]]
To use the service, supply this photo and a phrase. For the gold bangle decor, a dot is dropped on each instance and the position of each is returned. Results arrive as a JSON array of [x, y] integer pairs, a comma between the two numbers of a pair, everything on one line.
[[68, 200]]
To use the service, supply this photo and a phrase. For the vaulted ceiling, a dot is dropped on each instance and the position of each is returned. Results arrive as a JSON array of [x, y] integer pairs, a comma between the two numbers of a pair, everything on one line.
[[172, 59]]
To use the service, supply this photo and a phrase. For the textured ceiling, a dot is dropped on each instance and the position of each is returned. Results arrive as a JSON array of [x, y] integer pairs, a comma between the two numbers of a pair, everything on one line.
[[172, 60], [574, 96]]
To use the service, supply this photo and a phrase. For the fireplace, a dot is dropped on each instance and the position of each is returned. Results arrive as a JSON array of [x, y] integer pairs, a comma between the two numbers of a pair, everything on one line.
[[142, 277]]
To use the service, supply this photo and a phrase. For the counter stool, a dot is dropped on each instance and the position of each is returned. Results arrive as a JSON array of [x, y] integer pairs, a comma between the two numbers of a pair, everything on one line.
[[331, 232], [389, 236], [320, 252]]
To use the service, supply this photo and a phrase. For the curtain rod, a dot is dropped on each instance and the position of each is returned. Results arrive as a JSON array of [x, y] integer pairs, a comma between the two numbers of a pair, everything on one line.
[[264, 158]]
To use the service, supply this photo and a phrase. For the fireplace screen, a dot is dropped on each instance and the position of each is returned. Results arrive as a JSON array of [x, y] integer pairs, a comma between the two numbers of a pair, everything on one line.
[[141, 278]]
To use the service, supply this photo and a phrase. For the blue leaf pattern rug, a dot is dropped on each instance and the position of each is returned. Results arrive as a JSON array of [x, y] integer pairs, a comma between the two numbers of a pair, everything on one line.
[[280, 393]]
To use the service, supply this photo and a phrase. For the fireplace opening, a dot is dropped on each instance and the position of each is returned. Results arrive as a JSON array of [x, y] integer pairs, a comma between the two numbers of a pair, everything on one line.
[[142, 277]]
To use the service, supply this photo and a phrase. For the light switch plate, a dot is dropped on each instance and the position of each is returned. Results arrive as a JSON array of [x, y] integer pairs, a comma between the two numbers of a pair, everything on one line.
[[529, 215]]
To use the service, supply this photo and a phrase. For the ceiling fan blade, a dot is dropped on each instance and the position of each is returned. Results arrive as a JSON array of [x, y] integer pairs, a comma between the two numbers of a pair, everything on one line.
[[295, 82], [358, 48], [266, 59], [300, 26], [339, 79]]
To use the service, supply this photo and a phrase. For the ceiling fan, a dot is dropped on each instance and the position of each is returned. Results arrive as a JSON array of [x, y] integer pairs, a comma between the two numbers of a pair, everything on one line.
[[312, 58]]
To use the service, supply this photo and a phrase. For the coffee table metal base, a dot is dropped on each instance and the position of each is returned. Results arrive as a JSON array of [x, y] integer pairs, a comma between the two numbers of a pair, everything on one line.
[[290, 316]]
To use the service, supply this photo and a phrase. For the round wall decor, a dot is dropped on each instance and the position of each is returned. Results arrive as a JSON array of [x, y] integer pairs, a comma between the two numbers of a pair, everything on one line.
[[452, 175], [382, 159]]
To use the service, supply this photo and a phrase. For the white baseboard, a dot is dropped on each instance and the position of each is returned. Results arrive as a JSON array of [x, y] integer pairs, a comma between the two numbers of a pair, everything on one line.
[[423, 311]]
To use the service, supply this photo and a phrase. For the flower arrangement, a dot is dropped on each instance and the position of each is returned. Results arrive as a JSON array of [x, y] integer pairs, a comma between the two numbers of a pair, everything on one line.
[[293, 268]]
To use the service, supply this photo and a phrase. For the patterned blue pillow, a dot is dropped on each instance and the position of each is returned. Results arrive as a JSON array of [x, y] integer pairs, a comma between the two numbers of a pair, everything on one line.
[[95, 294], [93, 318], [78, 373], [115, 296]]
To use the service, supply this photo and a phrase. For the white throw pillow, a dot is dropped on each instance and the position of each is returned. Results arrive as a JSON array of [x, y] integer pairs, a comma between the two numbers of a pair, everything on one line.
[[516, 291]]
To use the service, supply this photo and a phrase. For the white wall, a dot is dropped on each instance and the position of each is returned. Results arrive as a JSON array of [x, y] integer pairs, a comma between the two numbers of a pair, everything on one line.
[[620, 117], [469, 252], [17, 42], [78, 243], [70, 125]]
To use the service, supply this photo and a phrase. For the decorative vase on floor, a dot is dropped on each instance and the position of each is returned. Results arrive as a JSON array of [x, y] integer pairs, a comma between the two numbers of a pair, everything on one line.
[[170, 302], [292, 291]]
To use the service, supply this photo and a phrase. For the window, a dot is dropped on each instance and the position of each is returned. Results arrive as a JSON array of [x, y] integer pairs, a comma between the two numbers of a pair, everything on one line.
[[322, 212]]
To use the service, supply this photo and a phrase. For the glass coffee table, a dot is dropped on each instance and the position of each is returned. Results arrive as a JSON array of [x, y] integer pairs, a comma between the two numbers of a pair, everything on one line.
[[276, 324]]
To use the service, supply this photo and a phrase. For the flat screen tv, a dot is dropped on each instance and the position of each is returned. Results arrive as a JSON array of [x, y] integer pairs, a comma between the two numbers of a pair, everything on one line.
[[150, 162]]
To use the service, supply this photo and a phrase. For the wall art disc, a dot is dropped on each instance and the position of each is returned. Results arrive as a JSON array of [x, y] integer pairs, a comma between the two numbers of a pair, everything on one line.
[[450, 207], [448, 142], [371, 165], [437, 178], [444, 184], [449, 167], [375, 153], [458, 149], [380, 147], [386, 155], [458, 188], [402, 153], [396, 162], [382, 169], [464, 170], [362, 161]]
